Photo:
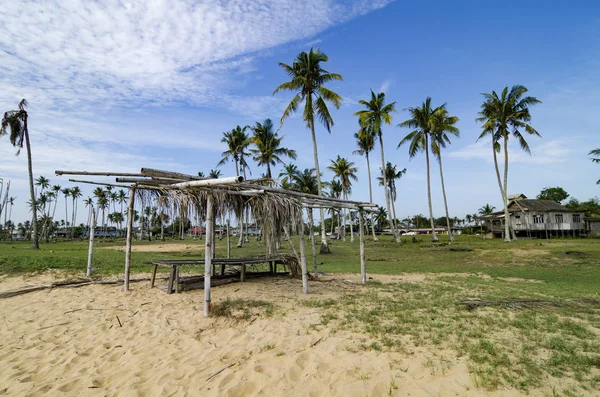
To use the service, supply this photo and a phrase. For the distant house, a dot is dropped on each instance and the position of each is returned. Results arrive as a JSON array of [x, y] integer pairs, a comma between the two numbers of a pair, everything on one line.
[[537, 218]]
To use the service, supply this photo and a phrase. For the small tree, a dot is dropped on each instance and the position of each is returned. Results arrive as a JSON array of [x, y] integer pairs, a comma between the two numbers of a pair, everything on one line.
[[557, 194]]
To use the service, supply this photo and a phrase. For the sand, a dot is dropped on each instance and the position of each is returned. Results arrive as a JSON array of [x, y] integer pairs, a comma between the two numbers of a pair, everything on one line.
[[69, 342]]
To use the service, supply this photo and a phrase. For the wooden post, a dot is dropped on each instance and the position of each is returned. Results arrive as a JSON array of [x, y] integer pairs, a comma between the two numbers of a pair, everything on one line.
[[363, 262], [92, 230], [228, 239], [208, 247], [129, 237], [303, 257]]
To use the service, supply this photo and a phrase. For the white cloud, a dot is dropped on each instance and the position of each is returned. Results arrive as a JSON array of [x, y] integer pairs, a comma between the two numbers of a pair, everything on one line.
[[549, 152], [77, 52]]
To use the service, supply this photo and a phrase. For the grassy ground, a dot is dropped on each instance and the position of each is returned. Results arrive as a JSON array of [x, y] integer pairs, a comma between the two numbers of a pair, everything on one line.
[[555, 344]]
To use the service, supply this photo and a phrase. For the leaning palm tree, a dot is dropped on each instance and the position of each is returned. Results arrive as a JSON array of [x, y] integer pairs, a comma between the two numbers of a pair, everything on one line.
[[422, 123], [365, 141], [267, 148], [306, 182], [307, 81], [389, 176], [376, 114], [502, 116], [16, 122], [442, 126], [345, 172], [595, 152]]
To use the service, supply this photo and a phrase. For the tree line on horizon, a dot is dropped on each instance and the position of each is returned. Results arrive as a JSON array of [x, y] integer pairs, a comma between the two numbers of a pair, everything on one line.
[[504, 117]]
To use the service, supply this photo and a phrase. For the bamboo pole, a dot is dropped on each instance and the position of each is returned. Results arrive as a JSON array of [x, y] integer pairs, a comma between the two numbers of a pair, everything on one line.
[[363, 262], [303, 257], [92, 230], [60, 173], [129, 238], [209, 182], [208, 246], [168, 174]]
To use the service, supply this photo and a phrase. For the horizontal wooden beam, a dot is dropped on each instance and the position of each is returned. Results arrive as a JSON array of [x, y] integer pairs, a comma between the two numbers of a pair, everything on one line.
[[89, 173], [98, 183], [169, 174]]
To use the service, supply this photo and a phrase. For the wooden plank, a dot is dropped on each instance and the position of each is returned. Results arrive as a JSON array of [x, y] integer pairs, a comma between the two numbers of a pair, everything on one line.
[[103, 173], [176, 278], [171, 277], [363, 262]]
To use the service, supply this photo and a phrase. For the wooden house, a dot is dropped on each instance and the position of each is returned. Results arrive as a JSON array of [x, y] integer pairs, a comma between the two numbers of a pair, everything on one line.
[[537, 218]]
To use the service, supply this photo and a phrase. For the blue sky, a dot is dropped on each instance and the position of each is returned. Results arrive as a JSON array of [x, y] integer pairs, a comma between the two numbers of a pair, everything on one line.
[[121, 86]]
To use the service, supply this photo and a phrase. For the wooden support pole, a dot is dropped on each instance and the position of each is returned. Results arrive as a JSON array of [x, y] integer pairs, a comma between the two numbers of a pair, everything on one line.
[[303, 257], [363, 262], [129, 237], [208, 246], [228, 238], [92, 230]]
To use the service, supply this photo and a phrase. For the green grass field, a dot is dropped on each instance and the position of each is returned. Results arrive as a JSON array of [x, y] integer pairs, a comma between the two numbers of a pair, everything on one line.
[[554, 345]]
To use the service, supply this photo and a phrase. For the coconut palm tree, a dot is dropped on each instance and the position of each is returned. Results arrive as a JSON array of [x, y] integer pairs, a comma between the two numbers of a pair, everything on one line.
[[16, 122], [268, 150], [443, 124], [75, 195], [89, 203], [422, 122], [306, 182], [381, 217], [336, 191], [67, 193], [214, 174], [307, 82], [345, 172], [237, 143], [11, 202], [42, 182], [288, 175], [503, 116], [486, 209], [376, 114], [365, 141], [595, 152], [390, 175]]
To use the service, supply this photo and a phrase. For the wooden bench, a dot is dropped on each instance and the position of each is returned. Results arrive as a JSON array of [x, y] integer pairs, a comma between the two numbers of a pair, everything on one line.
[[174, 266]]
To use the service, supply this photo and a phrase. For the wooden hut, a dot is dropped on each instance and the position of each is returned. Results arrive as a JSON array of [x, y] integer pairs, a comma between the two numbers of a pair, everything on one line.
[[274, 208]]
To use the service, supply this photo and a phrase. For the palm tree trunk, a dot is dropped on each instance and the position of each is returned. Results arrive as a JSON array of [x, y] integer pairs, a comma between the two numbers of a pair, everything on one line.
[[434, 236], [393, 208], [312, 240], [34, 224], [370, 195], [247, 217], [344, 217], [506, 214], [444, 194], [324, 247], [350, 222], [506, 235], [385, 188]]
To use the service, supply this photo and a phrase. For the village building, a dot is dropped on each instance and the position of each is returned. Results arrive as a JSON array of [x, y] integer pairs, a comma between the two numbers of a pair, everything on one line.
[[537, 218]]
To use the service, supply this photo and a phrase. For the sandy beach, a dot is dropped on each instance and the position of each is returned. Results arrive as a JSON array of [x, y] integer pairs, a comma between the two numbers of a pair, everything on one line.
[[69, 342]]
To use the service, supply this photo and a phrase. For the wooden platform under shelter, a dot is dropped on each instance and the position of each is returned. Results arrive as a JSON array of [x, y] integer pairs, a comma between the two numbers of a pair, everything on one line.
[[177, 284]]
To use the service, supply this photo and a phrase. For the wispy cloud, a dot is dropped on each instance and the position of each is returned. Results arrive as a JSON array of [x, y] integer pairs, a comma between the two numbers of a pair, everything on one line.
[[77, 52], [550, 152]]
